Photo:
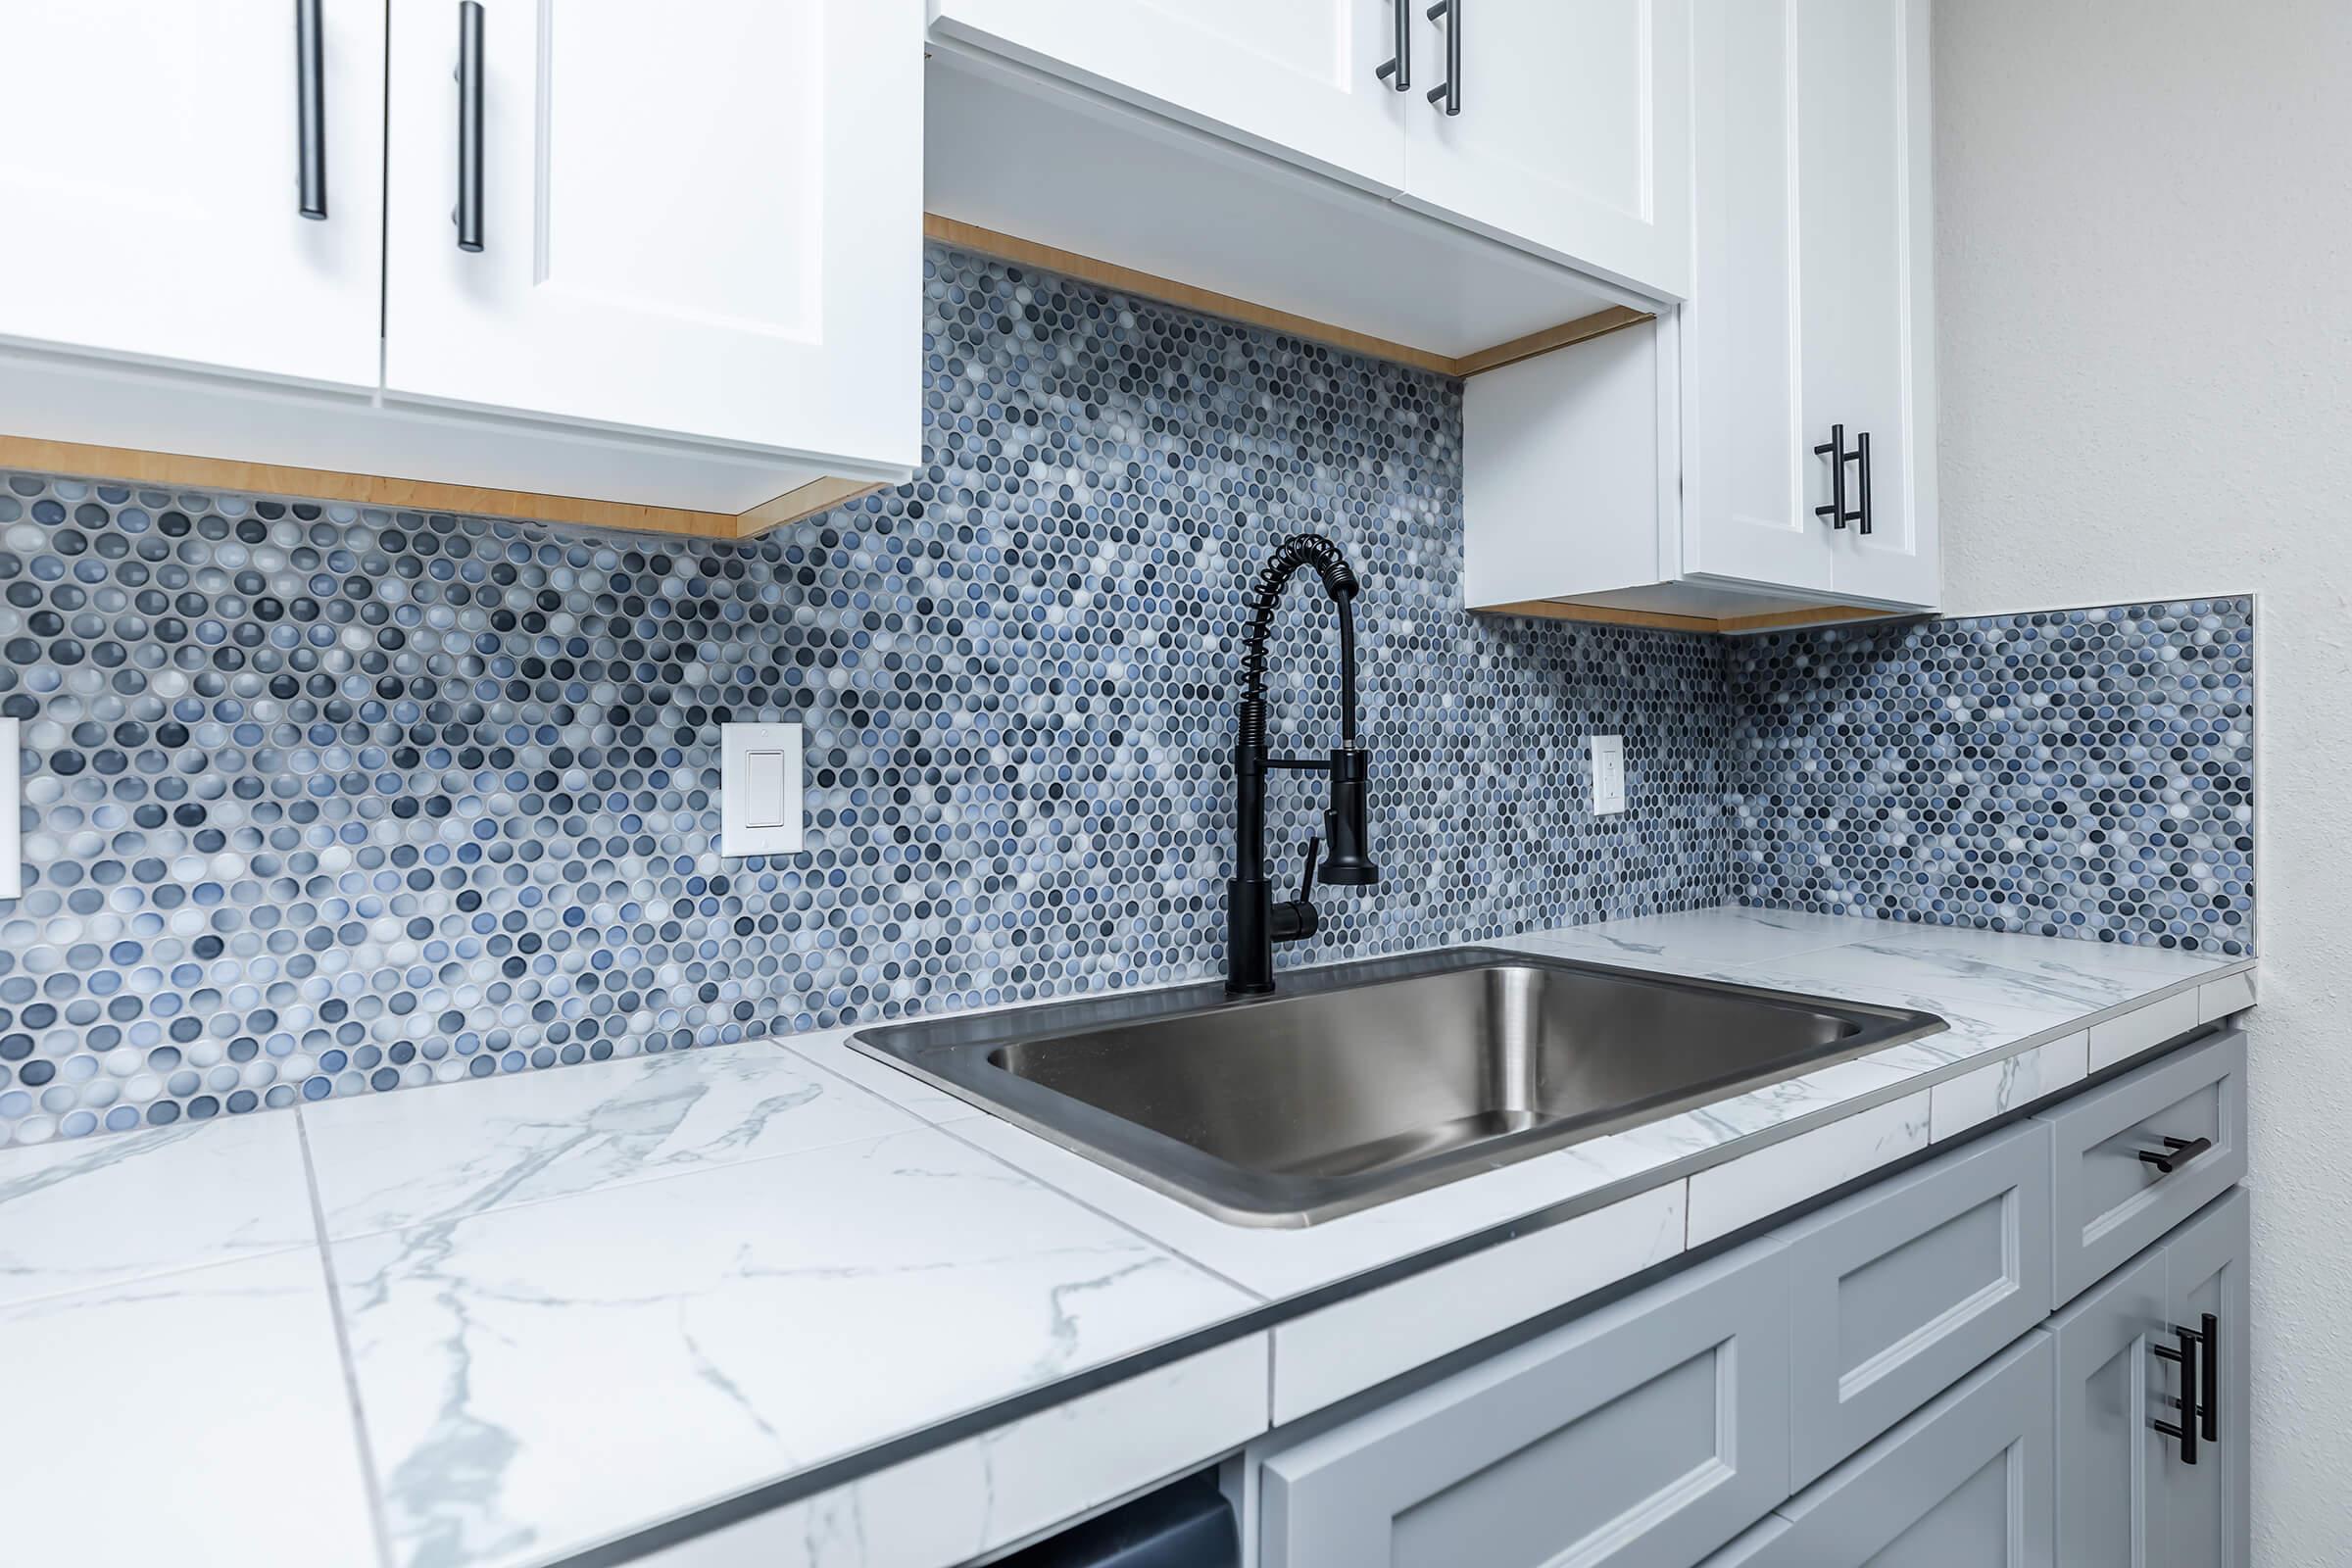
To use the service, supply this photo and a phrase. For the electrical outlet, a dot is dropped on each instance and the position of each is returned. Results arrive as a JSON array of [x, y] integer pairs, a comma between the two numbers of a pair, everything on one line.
[[1608, 774], [758, 790]]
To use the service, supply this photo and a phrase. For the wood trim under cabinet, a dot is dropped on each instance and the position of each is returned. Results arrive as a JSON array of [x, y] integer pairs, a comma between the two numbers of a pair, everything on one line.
[[177, 470], [1233, 308], [1704, 625]]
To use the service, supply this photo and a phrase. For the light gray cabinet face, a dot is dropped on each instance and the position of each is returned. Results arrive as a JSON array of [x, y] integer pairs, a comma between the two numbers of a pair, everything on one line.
[[2107, 1203], [1963, 1484], [1643, 1436], [2206, 1505], [2111, 1462], [1900, 1290]]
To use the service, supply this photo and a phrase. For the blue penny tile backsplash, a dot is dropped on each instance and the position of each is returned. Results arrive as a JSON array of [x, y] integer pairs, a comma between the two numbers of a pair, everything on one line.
[[325, 801], [2082, 773]]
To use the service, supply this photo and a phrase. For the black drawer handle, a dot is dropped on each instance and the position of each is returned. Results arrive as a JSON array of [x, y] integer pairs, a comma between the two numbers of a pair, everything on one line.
[[2186, 1430], [1447, 94], [310, 108], [469, 213], [2175, 1153], [1397, 69]]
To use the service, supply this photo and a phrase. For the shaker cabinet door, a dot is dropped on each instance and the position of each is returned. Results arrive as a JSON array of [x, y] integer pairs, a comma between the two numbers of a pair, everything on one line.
[[1300, 80], [699, 222], [1572, 135], [2206, 1518], [2110, 1459], [152, 166]]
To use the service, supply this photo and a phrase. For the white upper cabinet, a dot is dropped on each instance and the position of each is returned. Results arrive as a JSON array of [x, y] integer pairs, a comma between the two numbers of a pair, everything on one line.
[[1562, 126], [1300, 80], [1807, 341], [698, 221], [150, 159], [1812, 318]]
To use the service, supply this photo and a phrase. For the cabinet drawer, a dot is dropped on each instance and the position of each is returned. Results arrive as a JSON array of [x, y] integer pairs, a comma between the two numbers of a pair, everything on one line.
[[1963, 1484], [1898, 1293], [2107, 1203], [1649, 1432]]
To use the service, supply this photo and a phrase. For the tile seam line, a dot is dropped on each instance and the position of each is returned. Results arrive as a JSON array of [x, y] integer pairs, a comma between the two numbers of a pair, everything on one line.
[[378, 1522]]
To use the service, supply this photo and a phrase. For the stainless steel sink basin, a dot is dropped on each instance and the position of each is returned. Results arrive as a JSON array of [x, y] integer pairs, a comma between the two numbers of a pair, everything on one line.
[[1364, 1082]]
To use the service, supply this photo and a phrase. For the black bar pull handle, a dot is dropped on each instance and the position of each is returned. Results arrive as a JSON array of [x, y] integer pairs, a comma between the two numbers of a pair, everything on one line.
[[2175, 1153], [1862, 451], [1835, 451], [1397, 69], [2184, 1431], [310, 107], [1449, 91], [469, 213], [2209, 1383]]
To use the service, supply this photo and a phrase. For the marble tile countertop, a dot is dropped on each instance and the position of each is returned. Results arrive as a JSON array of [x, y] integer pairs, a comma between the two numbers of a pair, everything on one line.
[[781, 1302]]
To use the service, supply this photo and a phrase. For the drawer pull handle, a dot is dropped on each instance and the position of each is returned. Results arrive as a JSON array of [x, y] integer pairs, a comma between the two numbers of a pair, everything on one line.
[[2185, 1430], [469, 213], [2209, 1383], [2175, 1153], [1447, 94], [1397, 69], [310, 108]]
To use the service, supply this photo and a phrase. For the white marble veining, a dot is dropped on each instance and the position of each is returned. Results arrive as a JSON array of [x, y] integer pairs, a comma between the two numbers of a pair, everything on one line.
[[196, 1418], [537, 1378], [2000, 1087], [579, 1303], [984, 1493], [386, 1161], [106, 1209]]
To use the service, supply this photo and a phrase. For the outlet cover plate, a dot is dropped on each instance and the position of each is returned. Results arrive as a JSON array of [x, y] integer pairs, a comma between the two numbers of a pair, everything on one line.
[[760, 810], [1608, 774]]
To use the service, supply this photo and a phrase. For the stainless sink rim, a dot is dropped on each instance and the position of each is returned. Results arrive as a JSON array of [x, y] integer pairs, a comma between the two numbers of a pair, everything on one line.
[[952, 1054]]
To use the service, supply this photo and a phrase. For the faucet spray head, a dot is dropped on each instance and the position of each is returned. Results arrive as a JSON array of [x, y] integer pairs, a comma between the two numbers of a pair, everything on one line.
[[1346, 825]]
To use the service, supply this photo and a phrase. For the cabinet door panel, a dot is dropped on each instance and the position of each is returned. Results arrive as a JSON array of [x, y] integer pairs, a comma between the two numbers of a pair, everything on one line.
[[1574, 135], [1900, 1290], [1296, 79], [1963, 1484], [703, 222], [2206, 1520], [1865, 302], [1643, 1436], [2110, 1460], [148, 154], [1747, 471]]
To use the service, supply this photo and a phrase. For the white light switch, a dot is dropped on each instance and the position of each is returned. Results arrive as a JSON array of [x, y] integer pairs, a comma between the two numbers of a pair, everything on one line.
[[1608, 774], [12, 811], [758, 789]]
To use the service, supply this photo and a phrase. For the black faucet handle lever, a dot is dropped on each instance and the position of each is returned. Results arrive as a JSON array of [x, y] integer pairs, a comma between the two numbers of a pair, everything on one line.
[[1307, 877]]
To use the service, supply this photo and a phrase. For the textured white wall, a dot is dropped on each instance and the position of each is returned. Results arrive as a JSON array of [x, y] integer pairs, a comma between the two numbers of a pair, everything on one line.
[[2144, 266]]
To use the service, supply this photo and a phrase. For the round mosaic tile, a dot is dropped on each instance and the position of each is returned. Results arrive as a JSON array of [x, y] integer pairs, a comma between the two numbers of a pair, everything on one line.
[[324, 800]]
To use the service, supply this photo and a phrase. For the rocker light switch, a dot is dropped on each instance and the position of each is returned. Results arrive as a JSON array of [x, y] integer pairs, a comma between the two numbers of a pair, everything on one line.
[[758, 789]]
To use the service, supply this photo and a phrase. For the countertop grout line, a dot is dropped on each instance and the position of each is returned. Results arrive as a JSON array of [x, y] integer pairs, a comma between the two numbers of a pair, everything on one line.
[[379, 1522]]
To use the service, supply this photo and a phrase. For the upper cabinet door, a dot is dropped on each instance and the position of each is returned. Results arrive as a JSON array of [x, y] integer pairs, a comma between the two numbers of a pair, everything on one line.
[[1811, 325], [1866, 299], [1564, 129], [1297, 79], [151, 161], [698, 220]]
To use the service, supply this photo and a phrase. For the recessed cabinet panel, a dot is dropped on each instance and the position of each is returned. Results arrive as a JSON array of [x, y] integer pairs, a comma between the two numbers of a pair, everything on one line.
[[1866, 321], [1297, 79], [1572, 137], [1646, 1434], [149, 158], [2207, 1521], [668, 242], [2110, 1457]]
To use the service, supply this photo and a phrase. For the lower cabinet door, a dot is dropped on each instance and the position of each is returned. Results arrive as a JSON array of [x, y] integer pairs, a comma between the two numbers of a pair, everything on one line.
[[1643, 1436], [2205, 1505], [2110, 1457], [1963, 1484]]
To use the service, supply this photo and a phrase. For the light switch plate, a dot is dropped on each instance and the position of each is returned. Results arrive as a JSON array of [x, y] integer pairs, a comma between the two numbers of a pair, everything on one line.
[[1608, 774], [12, 811], [758, 790]]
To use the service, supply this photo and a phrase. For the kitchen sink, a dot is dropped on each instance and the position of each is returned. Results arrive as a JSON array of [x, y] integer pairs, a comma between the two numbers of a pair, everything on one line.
[[1362, 1082]]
